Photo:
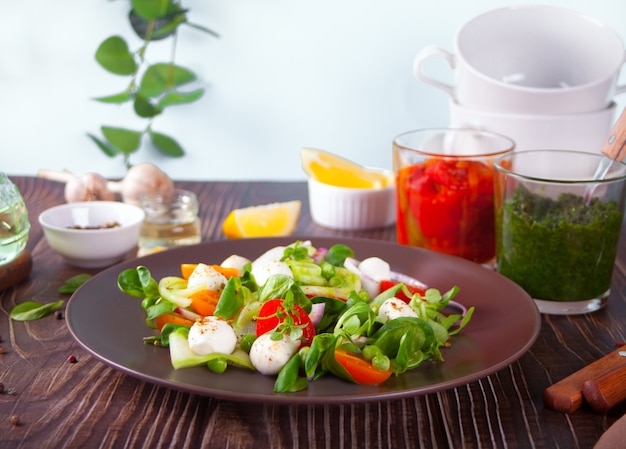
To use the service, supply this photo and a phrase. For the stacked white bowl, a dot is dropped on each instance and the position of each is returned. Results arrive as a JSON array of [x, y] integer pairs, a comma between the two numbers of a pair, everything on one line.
[[545, 76]]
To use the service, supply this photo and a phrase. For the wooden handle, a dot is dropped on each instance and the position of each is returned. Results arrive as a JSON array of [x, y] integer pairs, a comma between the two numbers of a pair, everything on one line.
[[566, 395], [605, 392], [615, 145]]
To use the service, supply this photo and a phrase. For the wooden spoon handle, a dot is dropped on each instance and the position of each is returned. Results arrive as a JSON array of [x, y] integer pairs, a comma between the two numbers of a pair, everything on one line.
[[566, 395], [615, 145]]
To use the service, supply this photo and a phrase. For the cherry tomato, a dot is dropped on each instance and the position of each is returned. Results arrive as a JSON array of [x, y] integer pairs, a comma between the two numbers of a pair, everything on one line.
[[272, 314], [362, 371], [387, 284]]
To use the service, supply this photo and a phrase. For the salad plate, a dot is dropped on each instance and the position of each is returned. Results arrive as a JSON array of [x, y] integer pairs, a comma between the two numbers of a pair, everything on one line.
[[111, 325]]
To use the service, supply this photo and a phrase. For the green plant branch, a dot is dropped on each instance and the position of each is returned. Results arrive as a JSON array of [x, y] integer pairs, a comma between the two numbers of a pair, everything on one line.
[[152, 87]]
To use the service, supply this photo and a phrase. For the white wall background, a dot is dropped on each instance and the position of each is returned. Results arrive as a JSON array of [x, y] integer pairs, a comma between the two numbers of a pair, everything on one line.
[[331, 74]]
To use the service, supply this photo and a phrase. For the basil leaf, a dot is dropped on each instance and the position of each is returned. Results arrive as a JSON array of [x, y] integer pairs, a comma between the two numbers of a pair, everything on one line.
[[30, 310], [73, 283]]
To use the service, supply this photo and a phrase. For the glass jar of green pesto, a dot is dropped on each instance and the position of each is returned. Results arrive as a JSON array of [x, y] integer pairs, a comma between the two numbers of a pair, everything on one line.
[[557, 229]]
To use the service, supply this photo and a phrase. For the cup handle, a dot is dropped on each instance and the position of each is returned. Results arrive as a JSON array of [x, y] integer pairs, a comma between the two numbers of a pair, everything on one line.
[[432, 52]]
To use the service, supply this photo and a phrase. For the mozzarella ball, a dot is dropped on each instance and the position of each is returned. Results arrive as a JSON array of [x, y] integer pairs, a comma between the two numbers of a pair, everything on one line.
[[269, 356], [262, 271], [208, 277], [373, 270], [271, 255], [395, 308], [236, 262], [212, 334]]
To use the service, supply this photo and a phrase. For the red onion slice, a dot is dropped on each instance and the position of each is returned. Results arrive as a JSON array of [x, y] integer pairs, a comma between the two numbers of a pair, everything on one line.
[[317, 312], [406, 279], [187, 314]]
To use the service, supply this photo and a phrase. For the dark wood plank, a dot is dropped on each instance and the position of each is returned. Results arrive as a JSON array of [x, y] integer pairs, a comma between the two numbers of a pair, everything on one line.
[[88, 404]]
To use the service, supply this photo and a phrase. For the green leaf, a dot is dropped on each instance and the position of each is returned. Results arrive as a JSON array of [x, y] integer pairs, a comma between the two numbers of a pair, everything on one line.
[[322, 343], [144, 108], [174, 97], [106, 147], [203, 29], [152, 9], [166, 144], [161, 77], [338, 253], [231, 300], [30, 310], [73, 283], [138, 282], [163, 31], [155, 308], [125, 140], [288, 379], [113, 55], [122, 97]]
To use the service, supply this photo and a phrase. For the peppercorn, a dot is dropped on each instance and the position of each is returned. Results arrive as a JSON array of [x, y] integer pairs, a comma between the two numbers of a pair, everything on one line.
[[2, 350], [58, 315], [72, 359], [1, 388], [15, 420]]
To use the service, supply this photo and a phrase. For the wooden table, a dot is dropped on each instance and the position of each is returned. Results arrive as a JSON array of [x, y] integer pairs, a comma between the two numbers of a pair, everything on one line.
[[88, 404]]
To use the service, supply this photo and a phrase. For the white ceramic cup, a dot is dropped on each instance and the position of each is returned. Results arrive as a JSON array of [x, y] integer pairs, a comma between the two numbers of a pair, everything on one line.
[[531, 59], [585, 131]]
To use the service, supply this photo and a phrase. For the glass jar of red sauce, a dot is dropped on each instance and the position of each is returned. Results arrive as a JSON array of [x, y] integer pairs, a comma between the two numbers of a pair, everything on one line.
[[445, 193]]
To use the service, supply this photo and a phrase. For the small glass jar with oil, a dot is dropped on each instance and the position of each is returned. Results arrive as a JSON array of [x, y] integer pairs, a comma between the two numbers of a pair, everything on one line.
[[171, 220]]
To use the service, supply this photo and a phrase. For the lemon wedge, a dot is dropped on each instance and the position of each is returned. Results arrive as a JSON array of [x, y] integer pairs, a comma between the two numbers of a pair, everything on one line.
[[267, 220], [328, 168]]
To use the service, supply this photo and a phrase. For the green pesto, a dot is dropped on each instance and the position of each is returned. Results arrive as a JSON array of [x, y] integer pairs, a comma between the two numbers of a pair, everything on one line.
[[560, 250]]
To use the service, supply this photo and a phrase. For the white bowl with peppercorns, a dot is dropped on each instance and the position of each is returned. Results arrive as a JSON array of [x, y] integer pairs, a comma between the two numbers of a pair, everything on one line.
[[92, 234]]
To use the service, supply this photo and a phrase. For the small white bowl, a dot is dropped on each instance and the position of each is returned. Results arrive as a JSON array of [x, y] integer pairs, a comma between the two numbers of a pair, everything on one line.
[[351, 209], [92, 248]]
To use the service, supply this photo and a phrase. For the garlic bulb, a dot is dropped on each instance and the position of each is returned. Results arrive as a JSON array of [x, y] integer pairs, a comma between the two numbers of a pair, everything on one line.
[[89, 187], [141, 178]]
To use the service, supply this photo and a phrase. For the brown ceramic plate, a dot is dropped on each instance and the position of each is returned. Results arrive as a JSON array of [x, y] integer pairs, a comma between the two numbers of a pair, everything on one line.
[[111, 325]]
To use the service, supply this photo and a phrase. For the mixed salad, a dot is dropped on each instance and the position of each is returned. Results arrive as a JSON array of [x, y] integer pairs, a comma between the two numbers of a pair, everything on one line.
[[297, 312]]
